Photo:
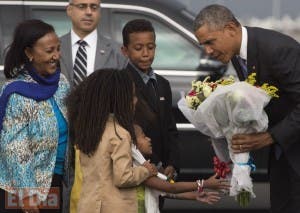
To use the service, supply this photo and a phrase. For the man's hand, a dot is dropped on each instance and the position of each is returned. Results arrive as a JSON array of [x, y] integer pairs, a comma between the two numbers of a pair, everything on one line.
[[247, 142], [169, 172]]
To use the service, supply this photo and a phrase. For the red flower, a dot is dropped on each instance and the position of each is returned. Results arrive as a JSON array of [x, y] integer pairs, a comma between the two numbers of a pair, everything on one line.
[[220, 167], [192, 93]]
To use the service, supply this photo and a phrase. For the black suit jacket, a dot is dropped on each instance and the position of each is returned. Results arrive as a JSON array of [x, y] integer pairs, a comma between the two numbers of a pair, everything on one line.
[[157, 119], [275, 58]]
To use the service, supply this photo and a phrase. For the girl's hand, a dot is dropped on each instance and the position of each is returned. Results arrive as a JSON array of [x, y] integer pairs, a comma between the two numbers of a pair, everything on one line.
[[208, 197], [169, 172], [151, 168], [217, 184]]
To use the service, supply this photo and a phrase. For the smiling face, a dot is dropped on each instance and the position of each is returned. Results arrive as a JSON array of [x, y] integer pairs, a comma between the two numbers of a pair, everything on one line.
[[85, 15], [45, 54], [143, 142], [221, 44], [141, 49]]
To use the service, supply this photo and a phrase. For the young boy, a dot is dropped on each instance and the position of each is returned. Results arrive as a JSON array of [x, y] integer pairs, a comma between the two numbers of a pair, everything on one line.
[[177, 190], [154, 107]]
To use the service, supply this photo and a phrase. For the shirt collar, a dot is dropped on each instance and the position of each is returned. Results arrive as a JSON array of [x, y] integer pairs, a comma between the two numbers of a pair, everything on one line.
[[143, 75], [243, 50], [89, 39]]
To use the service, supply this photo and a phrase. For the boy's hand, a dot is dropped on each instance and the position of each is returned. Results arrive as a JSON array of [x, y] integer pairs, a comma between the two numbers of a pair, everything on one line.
[[151, 168], [169, 172], [217, 184]]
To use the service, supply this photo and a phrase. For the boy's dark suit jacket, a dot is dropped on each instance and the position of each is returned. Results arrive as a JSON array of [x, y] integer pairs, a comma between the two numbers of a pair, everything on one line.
[[157, 120], [276, 60]]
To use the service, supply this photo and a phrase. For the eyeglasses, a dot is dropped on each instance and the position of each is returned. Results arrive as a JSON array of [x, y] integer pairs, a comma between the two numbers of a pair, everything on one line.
[[82, 6]]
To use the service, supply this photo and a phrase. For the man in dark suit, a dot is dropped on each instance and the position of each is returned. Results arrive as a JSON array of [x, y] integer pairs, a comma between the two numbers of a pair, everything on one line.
[[154, 107], [276, 60]]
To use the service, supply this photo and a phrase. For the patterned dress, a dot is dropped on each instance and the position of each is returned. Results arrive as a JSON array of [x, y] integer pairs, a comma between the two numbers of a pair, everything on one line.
[[29, 140]]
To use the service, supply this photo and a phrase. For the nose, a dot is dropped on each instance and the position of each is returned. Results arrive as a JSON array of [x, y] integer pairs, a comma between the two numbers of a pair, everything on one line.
[[208, 49], [88, 10], [56, 55], [145, 52]]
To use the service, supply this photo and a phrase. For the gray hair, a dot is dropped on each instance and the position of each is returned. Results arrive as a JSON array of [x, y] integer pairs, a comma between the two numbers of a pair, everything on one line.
[[215, 16]]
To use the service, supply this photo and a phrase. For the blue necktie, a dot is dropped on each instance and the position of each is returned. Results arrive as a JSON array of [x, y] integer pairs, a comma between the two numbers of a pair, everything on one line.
[[243, 64]]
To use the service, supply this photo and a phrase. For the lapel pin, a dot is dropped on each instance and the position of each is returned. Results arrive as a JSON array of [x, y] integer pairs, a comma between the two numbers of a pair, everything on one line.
[[102, 51]]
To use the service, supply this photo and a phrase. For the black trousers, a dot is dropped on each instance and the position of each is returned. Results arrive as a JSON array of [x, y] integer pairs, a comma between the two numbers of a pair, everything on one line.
[[284, 186], [56, 183]]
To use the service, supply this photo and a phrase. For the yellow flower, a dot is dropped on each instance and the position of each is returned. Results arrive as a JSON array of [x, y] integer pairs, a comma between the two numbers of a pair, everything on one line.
[[269, 89]]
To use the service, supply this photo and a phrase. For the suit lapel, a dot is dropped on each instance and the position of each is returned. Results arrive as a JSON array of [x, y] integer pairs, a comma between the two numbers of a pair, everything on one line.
[[139, 83], [252, 54], [66, 56], [102, 52], [251, 57]]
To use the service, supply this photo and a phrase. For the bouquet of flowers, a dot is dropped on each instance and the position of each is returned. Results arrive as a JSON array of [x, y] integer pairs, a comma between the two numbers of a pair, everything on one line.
[[222, 109]]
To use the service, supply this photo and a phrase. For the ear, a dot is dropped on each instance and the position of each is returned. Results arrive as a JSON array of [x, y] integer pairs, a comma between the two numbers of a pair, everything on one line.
[[231, 28], [124, 50], [28, 53], [69, 10]]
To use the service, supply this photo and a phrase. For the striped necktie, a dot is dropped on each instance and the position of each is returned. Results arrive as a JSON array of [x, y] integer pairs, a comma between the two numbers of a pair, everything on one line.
[[80, 64]]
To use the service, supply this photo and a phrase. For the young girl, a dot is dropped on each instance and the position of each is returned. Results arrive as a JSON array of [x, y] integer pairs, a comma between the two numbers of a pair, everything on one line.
[[101, 112], [178, 190]]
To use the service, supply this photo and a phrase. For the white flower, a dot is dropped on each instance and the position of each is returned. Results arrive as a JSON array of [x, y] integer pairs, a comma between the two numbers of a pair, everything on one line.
[[192, 101], [206, 90]]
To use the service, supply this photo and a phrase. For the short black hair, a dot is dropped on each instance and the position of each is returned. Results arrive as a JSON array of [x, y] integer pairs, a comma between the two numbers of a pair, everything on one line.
[[215, 16], [26, 34], [136, 26]]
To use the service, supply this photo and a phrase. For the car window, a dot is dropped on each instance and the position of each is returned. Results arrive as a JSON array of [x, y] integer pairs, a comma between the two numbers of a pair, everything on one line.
[[61, 22], [7, 27], [56, 17], [174, 51]]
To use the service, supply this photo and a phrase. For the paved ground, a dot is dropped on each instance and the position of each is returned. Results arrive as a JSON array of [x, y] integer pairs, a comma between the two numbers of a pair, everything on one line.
[[217, 211]]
